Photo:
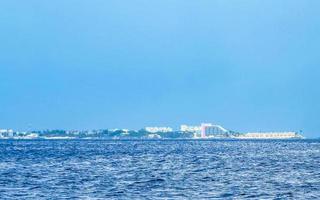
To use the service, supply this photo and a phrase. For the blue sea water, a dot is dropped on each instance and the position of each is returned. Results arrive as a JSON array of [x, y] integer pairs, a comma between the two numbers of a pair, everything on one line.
[[160, 169]]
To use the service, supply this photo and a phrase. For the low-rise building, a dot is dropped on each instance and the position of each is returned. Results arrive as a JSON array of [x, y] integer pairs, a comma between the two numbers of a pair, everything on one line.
[[6, 133], [154, 136], [158, 129], [270, 135], [193, 129]]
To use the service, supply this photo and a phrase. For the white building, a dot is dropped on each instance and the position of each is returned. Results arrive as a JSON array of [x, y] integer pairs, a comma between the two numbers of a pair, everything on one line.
[[186, 128], [6, 133], [154, 136], [205, 130], [210, 130], [270, 135], [158, 129]]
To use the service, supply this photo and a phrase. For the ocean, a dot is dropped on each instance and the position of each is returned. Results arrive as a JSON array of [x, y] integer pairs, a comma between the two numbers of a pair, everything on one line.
[[160, 169]]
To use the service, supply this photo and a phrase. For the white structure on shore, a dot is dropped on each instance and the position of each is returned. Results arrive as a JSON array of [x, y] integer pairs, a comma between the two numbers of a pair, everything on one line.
[[210, 130], [186, 128], [270, 135], [158, 129], [6, 133], [205, 130]]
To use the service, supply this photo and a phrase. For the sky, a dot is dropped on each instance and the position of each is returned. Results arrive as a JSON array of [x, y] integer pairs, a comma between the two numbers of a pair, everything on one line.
[[249, 65]]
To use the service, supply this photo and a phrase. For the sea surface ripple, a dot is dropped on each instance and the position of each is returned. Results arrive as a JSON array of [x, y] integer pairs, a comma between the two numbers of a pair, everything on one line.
[[159, 169]]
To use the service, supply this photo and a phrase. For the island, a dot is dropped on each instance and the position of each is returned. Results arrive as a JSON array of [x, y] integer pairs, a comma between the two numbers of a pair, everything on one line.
[[203, 131]]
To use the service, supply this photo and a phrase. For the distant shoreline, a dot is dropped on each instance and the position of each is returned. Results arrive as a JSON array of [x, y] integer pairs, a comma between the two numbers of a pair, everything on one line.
[[157, 139]]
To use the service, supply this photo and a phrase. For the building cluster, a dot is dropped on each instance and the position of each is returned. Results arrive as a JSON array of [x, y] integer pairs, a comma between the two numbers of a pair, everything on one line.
[[205, 130], [9, 133], [208, 130], [202, 131], [269, 135], [158, 129], [6, 133]]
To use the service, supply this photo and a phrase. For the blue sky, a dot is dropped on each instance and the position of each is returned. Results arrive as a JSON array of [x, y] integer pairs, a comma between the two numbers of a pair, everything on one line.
[[248, 65]]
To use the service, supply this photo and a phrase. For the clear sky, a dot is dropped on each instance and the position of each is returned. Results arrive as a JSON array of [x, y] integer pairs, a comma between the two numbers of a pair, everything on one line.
[[247, 65]]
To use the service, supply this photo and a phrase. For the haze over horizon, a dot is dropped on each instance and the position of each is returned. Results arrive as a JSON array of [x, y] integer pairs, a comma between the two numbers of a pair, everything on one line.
[[246, 65]]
